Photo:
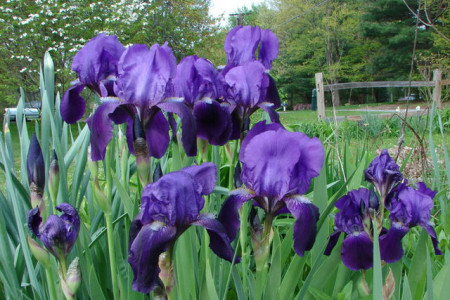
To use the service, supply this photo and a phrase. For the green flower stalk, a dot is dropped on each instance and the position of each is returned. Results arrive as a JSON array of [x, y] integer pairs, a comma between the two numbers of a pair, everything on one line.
[[53, 177]]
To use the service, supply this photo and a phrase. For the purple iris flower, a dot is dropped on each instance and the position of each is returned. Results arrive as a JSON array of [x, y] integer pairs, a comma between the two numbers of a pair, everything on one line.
[[250, 87], [409, 207], [242, 42], [202, 88], [277, 168], [59, 233], [353, 220], [169, 206], [96, 66], [384, 173], [144, 87]]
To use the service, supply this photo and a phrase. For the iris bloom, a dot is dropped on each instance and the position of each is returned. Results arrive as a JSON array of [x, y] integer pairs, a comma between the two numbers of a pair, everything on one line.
[[58, 233], [144, 88], [277, 168], [202, 88], [384, 173], [409, 207], [354, 221], [249, 85], [169, 206], [96, 66]]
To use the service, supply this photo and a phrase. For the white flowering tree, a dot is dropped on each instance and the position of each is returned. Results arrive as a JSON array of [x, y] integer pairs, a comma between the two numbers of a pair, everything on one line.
[[62, 27]]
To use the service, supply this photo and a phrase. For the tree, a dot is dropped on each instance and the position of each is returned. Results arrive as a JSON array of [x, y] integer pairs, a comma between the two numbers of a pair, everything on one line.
[[63, 27]]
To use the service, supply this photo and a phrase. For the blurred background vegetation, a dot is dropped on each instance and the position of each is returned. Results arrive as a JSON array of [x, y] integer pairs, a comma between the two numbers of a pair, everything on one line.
[[355, 40]]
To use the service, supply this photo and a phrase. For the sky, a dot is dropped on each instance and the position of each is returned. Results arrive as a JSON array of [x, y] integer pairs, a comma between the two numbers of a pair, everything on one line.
[[229, 6]]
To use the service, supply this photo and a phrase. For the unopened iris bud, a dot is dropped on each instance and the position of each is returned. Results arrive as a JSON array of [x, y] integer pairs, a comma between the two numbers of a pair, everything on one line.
[[74, 275], [93, 166], [42, 255], [53, 177], [158, 173], [99, 195], [141, 152], [374, 202], [36, 173], [237, 175]]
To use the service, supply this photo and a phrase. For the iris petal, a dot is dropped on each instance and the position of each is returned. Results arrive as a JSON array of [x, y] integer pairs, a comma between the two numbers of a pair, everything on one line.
[[267, 165], [391, 244], [357, 251], [150, 242], [219, 240], [332, 241], [205, 175], [269, 48], [229, 213], [101, 129], [73, 106], [307, 215], [434, 239], [213, 122], [188, 124], [157, 135]]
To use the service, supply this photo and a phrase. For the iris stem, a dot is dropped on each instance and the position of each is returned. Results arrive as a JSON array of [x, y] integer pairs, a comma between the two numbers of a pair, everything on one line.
[[108, 219], [51, 283], [112, 254]]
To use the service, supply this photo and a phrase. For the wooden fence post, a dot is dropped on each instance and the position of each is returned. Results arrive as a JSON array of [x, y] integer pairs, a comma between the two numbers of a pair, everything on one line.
[[320, 96], [437, 77]]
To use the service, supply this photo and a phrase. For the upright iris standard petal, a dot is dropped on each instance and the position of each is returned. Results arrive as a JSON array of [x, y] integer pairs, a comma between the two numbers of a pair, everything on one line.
[[248, 84], [35, 164], [241, 44], [98, 59], [169, 206], [411, 207], [143, 74], [350, 217], [275, 168], [384, 173], [96, 66], [267, 165], [205, 175], [59, 233], [269, 48], [307, 215]]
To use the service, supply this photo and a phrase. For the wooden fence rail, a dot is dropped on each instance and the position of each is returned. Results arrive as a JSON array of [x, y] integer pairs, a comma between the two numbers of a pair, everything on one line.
[[437, 84]]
